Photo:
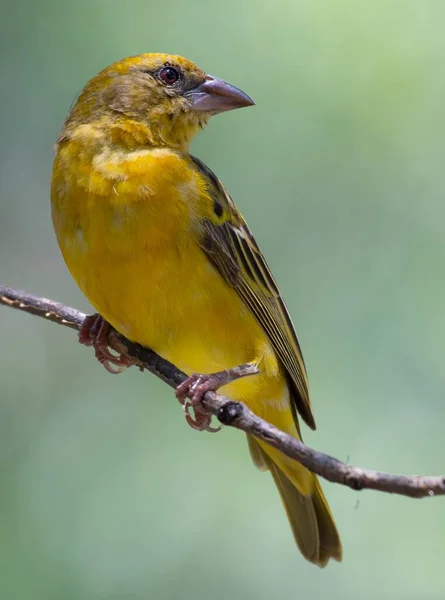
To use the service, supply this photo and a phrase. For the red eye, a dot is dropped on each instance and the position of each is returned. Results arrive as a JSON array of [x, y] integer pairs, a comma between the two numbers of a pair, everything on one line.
[[169, 75]]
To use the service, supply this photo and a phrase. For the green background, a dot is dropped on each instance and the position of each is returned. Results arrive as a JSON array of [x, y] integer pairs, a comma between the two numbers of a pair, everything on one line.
[[105, 493]]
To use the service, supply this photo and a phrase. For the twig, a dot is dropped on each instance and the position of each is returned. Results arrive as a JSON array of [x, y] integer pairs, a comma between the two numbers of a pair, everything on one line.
[[236, 414]]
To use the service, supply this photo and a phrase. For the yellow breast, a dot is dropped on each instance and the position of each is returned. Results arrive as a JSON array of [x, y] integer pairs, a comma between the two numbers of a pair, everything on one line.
[[128, 229]]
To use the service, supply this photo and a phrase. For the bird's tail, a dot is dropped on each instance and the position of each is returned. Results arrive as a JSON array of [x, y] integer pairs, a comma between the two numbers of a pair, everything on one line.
[[306, 506]]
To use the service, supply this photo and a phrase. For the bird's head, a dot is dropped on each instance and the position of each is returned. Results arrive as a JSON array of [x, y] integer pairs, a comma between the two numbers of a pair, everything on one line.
[[167, 94]]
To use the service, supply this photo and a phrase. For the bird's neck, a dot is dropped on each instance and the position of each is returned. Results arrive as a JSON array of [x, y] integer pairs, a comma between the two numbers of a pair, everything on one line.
[[131, 134]]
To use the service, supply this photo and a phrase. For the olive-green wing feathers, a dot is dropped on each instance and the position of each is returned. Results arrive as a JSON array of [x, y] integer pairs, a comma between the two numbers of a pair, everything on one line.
[[232, 249]]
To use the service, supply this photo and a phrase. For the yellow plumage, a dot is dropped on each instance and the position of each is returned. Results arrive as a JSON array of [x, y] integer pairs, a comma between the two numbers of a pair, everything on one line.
[[160, 250]]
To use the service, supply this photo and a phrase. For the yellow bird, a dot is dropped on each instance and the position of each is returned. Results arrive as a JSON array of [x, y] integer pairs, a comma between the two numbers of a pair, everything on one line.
[[157, 245]]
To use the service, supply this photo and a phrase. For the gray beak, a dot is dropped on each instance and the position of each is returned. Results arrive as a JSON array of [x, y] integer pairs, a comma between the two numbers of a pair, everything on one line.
[[216, 95]]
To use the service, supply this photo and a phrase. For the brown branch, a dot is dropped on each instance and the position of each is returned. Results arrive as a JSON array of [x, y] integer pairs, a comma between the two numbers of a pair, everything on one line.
[[236, 414]]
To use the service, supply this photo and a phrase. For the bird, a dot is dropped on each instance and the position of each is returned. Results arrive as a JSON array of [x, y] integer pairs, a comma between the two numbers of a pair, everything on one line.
[[157, 245]]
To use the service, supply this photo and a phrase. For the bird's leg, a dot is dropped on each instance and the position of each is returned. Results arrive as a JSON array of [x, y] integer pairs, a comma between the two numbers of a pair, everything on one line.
[[94, 332], [191, 392]]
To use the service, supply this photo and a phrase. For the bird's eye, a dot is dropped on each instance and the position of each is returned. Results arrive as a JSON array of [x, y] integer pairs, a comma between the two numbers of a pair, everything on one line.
[[169, 75]]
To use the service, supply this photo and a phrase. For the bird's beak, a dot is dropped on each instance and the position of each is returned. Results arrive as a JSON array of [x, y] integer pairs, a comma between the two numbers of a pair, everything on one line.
[[216, 95]]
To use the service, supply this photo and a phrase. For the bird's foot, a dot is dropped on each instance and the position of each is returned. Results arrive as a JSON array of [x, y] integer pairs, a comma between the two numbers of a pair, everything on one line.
[[191, 392], [94, 332]]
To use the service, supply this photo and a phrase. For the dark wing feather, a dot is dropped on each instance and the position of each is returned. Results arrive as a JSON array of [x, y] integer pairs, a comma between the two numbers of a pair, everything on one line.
[[231, 247]]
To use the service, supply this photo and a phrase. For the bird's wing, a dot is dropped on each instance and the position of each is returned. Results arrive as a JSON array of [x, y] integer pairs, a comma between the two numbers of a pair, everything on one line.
[[231, 247]]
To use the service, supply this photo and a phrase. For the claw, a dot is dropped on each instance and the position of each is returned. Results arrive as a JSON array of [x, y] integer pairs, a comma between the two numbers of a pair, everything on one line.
[[94, 332], [200, 420], [191, 392]]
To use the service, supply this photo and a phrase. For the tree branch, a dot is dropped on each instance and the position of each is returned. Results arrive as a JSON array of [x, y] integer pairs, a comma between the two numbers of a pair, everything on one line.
[[235, 414]]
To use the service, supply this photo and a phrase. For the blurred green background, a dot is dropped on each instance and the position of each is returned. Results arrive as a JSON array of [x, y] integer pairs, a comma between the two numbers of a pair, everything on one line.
[[105, 493]]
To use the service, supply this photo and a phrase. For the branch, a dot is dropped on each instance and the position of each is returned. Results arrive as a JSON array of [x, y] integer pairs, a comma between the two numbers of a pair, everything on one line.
[[235, 414]]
